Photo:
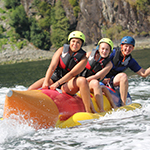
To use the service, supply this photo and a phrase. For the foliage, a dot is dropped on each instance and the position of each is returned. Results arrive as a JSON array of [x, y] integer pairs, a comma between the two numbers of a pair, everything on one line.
[[29, 28], [1, 29], [48, 19], [45, 23], [12, 34], [3, 17], [103, 30], [2, 11], [3, 41], [75, 5], [73, 2], [40, 38], [143, 33], [19, 20], [117, 32], [12, 3], [60, 26], [76, 10], [44, 11], [36, 3], [143, 5], [21, 44]]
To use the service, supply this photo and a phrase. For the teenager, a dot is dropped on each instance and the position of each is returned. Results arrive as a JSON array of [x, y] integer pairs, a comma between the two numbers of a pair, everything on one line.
[[97, 68], [67, 62], [122, 59]]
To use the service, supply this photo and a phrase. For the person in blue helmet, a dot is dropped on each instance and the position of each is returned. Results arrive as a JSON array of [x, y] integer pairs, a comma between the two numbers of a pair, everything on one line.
[[122, 59]]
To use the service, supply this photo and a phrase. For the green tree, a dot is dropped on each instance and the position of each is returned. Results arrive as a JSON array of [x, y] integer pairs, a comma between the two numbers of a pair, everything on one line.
[[40, 38], [73, 2], [12, 3], [75, 5], [60, 26], [19, 20], [44, 11]]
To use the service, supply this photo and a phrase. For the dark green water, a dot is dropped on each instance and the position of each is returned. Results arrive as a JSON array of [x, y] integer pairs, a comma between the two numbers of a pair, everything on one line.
[[27, 73], [22, 73], [142, 57]]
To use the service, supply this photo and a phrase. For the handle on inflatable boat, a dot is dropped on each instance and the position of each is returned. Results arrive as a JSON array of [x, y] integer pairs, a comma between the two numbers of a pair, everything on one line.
[[59, 90]]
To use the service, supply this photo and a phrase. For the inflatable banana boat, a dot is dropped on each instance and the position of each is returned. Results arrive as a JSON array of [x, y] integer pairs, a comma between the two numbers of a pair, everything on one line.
[[50, 108]]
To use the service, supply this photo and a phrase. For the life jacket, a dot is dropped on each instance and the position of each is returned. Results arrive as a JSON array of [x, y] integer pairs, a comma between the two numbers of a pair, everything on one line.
[[67, 62], [117, 62], [117, 56], [93, 66]]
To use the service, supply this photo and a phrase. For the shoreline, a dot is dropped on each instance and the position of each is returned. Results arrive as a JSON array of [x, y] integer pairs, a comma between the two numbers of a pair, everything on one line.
[[30, 53]]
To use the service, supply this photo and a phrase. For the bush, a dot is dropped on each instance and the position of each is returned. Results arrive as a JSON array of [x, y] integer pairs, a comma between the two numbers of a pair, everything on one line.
[[21, 44], [143, 5], [12, 3], [143, 33], [3, 17], [76, 10], [40, 38], [2, 11], [1, 29], [60, 26], [116, 32], [125, 33], [44, 23], [44, 11], [12, 32], [19, 20], [73, 2], [3, 41]]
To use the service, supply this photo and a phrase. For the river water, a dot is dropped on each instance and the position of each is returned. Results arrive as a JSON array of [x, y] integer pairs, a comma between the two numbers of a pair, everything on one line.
[[117, 131]]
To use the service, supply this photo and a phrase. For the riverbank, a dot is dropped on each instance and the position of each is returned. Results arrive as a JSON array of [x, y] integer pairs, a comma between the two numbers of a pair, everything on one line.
[[31, 53]]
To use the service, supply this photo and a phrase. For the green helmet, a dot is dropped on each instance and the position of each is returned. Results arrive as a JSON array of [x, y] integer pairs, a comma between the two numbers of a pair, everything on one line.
[[108, 41], [76, 34]]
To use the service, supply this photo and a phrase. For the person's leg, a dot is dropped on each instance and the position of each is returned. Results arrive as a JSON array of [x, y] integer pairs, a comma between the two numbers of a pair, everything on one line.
[[78, 84], [37, 84], [95, 88], [121, 80], [108, 95]]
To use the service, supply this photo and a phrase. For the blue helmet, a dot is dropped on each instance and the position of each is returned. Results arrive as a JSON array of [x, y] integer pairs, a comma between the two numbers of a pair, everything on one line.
[[128, 40]]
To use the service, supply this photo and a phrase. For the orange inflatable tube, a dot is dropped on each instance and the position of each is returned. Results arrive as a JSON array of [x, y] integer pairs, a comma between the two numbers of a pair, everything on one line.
[[32, 107]]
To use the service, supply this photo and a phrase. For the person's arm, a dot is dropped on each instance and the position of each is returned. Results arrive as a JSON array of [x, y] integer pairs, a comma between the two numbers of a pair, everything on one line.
[[52, 67], [102, 73], [88, 54], [134, 66], [75, 71], [144, 72]]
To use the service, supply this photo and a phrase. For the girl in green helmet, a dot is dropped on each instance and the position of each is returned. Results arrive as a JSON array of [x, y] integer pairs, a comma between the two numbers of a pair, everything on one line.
[[67, 62], [97, 67]]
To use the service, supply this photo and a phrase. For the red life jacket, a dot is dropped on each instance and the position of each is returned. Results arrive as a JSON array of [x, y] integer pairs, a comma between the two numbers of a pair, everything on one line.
[[67, 62], [93, 66]]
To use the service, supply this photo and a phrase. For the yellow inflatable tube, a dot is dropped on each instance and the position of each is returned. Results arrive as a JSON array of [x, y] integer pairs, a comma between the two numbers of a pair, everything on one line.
[[83, 117]]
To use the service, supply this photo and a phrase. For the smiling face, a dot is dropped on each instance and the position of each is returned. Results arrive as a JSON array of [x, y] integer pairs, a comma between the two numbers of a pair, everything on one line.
[[104, 50], [75, 44], [127, 48]]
